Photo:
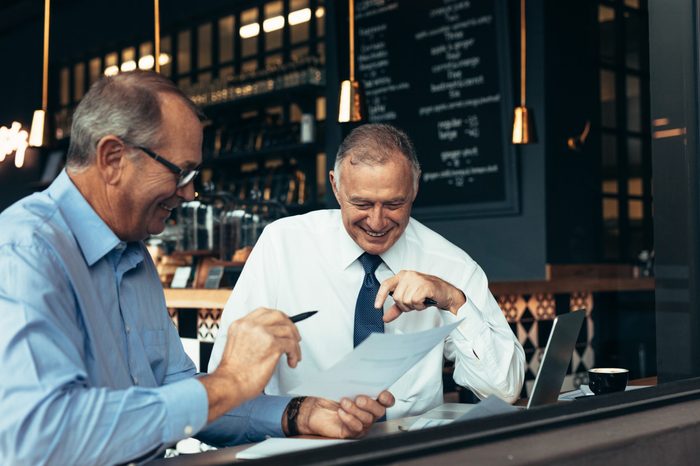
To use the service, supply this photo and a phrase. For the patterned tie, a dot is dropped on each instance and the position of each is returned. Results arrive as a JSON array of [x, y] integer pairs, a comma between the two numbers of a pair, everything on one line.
[[367, 318]]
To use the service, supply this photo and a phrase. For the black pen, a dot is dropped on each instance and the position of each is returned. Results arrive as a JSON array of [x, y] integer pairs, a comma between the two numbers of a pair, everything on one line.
[[426, 301], [302, 316]]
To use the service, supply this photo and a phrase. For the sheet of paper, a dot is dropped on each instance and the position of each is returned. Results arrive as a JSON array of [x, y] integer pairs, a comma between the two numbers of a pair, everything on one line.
[[279, 446], [374, 365]]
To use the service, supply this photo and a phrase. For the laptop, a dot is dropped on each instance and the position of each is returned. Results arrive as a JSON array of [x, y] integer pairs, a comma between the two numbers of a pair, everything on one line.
[[556, 359], [550, 376]]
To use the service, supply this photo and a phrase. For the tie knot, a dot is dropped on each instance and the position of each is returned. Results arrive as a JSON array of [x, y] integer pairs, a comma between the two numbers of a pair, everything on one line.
[[370, 262]]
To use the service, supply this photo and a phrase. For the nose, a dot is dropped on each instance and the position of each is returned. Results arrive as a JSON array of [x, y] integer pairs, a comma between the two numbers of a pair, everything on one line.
[[376, 220], [186, 192]]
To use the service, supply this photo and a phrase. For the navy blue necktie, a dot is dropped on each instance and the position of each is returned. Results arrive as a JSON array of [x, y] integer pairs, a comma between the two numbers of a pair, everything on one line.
[[367, 318]]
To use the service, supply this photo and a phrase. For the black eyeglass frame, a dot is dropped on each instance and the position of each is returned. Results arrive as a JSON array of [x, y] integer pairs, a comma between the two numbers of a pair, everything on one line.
[[184, 176]]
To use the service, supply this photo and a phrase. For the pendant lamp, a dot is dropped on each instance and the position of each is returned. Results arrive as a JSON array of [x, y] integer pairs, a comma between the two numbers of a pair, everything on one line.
[[38, 130], [351, 104], [523, 130]]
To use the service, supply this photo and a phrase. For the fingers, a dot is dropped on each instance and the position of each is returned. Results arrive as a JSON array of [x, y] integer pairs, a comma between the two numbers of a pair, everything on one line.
[[268, 330], [291, 348], [362, 413], [374, 407], [387, 286], [410, 294], [392, 313], [357, 417], [409, 290], [267, 316], [284, 331], [386, 399], [352, 426], [278, 322]]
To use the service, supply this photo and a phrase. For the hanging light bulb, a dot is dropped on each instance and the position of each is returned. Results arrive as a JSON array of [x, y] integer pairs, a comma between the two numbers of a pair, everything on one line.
[[351, 103], [521, 125], [21, 149], [350, 107], [523, 130], [36, 134], [38, 129]]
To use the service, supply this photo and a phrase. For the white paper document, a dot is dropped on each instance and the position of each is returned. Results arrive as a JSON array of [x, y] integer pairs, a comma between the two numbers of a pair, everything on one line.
[[279, 446], [374, 365]]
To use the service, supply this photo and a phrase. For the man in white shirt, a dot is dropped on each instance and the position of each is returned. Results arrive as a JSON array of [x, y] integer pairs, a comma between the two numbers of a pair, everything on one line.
[[319, 261]]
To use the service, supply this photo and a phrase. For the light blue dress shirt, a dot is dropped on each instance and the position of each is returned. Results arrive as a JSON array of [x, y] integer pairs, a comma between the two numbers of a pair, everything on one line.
[[93, 371]]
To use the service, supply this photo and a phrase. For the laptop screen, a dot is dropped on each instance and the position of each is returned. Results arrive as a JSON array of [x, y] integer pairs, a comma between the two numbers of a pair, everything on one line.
[[556, 359]]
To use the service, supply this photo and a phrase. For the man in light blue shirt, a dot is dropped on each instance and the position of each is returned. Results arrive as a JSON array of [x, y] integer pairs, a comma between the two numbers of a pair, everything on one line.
[[93, 371]]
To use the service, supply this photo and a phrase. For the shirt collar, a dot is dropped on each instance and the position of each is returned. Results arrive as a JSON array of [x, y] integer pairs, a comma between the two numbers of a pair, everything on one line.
[[349, 251], [92, 234], [394, 256]]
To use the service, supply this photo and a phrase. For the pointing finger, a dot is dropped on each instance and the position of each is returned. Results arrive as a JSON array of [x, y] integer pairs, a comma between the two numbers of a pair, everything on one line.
[[392, 313], [388, 286]]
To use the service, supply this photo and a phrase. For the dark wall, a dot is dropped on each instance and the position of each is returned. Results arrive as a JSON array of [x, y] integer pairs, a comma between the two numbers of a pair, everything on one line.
[[574, 205], [673, 38]]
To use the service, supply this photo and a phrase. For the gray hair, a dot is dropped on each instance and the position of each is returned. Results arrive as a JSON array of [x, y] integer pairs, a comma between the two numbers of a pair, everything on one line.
[[376, 144], [126, 105]]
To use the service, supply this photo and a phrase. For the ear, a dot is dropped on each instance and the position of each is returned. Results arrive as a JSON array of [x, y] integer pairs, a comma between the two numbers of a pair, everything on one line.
[[415, 186], [334, 180], [110, 158]]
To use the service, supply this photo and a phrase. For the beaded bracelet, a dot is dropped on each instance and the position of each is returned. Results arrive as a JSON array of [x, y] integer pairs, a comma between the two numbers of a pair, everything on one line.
[[292, 413]]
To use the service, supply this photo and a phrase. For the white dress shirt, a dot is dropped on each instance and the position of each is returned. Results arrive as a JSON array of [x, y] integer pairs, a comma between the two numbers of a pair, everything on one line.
[[309, 262]]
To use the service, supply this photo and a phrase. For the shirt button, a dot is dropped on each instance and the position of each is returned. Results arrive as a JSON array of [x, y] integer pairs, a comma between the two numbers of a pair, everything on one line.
[[128, 329], [136, 380], [188, 430]]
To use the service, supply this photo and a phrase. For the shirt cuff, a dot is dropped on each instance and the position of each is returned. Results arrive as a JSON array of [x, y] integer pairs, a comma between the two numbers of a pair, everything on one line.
[[266, 415], [186, 409], [472, 326]]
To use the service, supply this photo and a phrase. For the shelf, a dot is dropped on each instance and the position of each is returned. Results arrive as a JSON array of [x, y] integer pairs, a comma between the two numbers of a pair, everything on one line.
[[291, 150], [274, 96], [196, 298]]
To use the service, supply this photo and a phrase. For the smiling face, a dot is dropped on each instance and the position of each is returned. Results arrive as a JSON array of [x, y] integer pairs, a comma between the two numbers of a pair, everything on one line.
[[375, 201], [149, 192]]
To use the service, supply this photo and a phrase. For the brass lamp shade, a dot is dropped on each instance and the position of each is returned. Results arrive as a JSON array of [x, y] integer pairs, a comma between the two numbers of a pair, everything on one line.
[[351, 105], [38, 134], [523, 132]]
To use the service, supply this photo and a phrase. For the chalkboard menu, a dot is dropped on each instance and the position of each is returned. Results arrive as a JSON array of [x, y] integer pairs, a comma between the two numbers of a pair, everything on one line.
[[439, 70]]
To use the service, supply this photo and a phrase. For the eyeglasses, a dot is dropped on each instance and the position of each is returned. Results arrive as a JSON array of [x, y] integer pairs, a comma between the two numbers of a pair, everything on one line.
[[184, 176]]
